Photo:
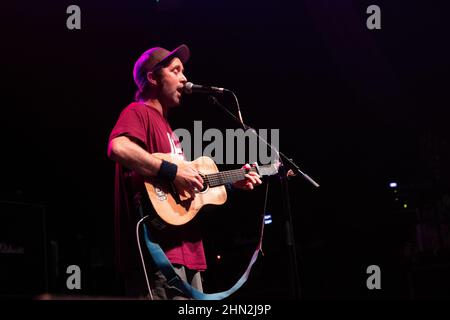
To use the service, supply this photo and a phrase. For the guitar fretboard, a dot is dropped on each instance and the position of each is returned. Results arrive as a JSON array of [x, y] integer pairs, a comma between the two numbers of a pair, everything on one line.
[[224, 177], [231, 176]]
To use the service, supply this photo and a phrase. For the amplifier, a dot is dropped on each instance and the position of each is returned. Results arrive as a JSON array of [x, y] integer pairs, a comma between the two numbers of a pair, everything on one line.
[[23, 250]]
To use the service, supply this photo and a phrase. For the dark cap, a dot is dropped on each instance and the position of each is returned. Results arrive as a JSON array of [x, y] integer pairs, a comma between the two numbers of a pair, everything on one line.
[[154, 58]]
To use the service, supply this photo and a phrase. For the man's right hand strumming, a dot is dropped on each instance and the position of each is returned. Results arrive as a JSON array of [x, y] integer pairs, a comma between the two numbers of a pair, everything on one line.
[[187, 180]]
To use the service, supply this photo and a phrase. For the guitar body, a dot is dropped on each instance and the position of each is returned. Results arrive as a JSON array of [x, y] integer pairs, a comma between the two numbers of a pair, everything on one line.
[[176, 208]]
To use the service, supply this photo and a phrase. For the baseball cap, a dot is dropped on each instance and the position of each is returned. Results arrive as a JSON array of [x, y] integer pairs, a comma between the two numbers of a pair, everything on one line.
[[154, 58]]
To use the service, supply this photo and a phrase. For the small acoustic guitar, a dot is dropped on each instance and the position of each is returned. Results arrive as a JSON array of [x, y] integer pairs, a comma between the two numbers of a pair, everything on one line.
[[177, 208]]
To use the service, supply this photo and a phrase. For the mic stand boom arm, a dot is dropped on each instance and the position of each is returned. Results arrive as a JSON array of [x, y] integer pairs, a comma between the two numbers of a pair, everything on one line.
[[239, 120]]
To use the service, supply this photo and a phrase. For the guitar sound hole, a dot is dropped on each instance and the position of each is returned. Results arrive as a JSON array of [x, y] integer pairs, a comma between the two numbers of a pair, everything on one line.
[[205, 185]]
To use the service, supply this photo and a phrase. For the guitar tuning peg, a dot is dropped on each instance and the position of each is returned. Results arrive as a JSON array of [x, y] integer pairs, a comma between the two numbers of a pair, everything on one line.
[[277, 164]]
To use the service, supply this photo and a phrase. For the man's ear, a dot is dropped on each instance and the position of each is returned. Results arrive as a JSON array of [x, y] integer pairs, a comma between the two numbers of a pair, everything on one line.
[[151, 79]]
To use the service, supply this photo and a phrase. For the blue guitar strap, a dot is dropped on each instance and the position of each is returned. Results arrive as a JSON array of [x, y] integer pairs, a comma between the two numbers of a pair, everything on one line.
[[173, 279]]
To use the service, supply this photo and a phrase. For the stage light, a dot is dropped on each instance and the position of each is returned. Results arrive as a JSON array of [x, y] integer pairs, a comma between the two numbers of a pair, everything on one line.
[[393, 185], [267, 219]]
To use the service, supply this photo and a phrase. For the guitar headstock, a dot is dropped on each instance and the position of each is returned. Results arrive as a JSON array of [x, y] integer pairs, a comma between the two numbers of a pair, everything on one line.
[[269, 170]]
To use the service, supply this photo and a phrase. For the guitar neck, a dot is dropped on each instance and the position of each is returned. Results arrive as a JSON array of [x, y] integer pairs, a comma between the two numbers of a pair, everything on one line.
[[231, 176], [224, 177]]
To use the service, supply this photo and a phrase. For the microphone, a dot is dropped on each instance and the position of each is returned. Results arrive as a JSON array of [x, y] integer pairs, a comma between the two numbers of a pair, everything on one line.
[[189, 88]]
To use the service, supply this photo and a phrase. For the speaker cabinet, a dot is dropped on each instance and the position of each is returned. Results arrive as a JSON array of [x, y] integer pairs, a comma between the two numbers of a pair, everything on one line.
[[23, 252]]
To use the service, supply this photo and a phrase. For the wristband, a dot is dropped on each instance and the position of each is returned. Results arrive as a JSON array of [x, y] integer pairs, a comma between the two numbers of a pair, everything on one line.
[[167, 171]]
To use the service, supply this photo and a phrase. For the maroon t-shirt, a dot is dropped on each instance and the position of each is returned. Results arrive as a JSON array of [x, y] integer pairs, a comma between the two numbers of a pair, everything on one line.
[[182, 244]]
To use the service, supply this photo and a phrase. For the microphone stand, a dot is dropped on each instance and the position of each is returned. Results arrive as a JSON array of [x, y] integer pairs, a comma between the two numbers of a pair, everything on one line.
[[284, 175]]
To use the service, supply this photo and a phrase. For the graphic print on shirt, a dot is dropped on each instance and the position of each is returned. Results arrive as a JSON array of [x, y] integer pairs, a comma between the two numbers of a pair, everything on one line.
[[175, 146]]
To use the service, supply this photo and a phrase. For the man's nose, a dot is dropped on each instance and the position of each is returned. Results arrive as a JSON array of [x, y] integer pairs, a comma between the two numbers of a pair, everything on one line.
[[183, 78]]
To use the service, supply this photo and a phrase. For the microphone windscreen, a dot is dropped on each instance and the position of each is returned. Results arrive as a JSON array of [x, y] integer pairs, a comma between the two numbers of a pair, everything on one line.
[[188, 87]]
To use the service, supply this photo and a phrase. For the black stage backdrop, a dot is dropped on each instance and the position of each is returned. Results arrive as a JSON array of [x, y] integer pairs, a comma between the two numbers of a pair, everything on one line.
[[356, 108]]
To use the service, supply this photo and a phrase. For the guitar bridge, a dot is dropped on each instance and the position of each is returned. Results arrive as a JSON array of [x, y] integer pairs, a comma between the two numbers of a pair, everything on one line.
[[174, 193]]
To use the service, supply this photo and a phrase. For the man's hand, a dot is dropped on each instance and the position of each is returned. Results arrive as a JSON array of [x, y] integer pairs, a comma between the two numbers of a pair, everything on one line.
[[188, 179], [251, 180]]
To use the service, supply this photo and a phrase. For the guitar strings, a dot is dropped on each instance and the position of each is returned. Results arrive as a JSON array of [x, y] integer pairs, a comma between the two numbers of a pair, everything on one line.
[[221, 178]]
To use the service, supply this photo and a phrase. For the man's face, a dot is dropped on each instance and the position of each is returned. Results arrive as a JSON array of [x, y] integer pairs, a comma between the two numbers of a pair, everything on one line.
[[171, 83]]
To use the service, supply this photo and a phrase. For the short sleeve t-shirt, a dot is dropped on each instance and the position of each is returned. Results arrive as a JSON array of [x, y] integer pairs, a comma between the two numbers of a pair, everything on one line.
[[181, 244]]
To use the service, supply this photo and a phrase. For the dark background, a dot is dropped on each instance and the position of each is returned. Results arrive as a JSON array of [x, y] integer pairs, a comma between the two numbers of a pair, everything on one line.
[[356, 108]]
